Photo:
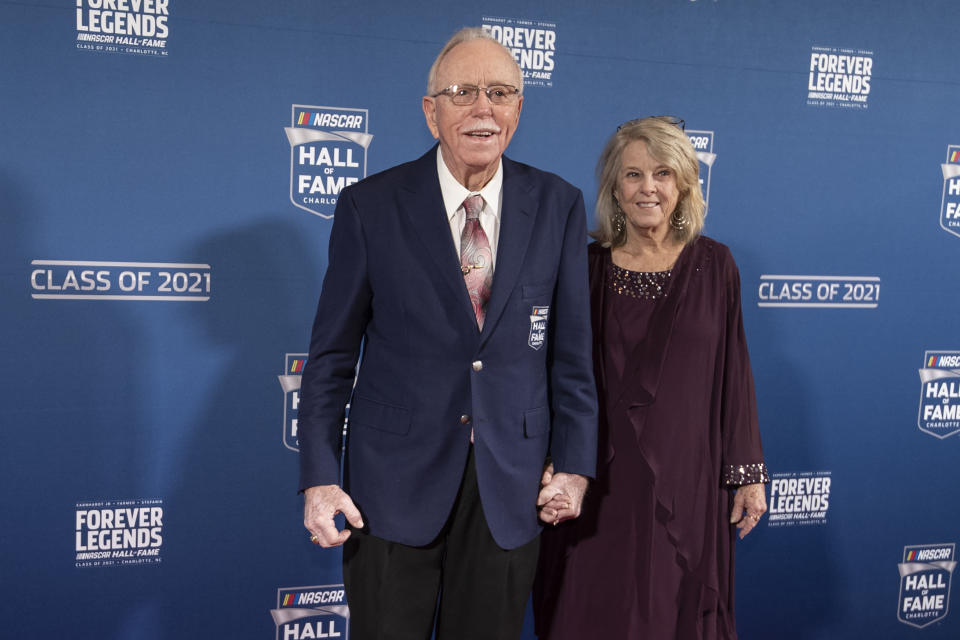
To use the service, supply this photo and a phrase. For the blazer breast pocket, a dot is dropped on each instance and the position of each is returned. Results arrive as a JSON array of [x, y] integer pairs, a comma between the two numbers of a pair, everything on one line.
[[538, 290], [365, 412]]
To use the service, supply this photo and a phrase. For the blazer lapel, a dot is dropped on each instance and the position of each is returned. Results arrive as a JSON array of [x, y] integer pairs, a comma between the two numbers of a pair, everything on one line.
[[421, 202], [517, 214]]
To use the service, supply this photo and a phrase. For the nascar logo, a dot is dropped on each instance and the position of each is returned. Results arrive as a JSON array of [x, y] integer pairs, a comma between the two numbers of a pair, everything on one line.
[[290, 383], [939, 413], [925, 577], [312, 612], [328, 152], [950, 204], [702, 142]]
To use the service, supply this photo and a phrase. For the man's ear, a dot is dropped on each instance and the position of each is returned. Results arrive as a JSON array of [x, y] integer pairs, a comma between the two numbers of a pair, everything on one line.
[[430, 113]]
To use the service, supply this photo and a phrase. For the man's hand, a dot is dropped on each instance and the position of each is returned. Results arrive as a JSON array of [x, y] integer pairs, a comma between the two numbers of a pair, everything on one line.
[[749, 503], [320, 504], [561, 495]]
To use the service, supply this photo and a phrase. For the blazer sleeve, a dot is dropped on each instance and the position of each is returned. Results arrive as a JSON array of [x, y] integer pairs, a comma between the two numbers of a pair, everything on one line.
[[573, 397], [338, 328], [742, 450]]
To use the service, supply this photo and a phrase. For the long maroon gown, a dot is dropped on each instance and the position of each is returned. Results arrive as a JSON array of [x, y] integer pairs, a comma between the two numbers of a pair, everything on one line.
[[652, 555]]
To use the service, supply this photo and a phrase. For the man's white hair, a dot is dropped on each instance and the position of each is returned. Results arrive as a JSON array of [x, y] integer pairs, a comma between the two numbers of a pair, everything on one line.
[[465, 35]]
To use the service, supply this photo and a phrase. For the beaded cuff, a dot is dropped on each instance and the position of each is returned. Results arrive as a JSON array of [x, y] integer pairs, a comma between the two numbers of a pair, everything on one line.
[[741, 474]]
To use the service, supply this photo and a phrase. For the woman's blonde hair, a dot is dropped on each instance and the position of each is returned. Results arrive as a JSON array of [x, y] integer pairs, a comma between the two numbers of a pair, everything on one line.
[[668, 144]]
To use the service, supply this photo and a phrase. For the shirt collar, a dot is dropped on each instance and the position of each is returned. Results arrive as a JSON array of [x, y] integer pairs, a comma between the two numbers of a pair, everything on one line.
[[455, 193]]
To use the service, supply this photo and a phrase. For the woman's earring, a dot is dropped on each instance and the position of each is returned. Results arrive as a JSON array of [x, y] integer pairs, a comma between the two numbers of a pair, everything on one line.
[[678, 221], [618, 219]]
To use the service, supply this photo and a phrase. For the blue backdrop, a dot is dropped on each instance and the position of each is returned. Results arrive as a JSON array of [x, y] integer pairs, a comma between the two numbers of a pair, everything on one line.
[[161, 257]]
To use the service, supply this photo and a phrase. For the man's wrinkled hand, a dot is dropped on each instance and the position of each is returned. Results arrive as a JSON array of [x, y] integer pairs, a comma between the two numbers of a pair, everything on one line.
[[561, 496], [320, 505]]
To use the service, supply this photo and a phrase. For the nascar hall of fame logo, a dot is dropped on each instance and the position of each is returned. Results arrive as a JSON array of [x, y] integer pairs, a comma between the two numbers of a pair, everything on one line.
[[799, 498], [702, 142], [136, 27], [925, 583], [290, 383], [533, 44], [328, 151], [145, 281], [312, 612], [950, 205], [112, 533], [839, 77], [819, 292], [538, 327], [940, 393]]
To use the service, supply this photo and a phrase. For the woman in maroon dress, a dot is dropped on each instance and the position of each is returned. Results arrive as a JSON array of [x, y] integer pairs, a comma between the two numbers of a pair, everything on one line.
[[680, 462]]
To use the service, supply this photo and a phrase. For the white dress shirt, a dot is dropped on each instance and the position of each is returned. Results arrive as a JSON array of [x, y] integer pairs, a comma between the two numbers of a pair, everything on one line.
[[455, 193]]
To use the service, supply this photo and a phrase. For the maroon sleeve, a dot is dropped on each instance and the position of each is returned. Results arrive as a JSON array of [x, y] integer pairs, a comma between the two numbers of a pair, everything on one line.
[[742, 450]]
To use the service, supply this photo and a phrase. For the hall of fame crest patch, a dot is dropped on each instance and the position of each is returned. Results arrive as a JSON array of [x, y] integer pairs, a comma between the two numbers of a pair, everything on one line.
[[538, 327]]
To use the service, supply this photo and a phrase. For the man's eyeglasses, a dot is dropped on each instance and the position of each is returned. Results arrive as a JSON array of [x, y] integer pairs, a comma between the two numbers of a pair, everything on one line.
[[675, 121], [464, 95]]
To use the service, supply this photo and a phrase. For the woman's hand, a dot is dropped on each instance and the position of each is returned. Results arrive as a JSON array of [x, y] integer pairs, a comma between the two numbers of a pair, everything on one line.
[[749, 503]]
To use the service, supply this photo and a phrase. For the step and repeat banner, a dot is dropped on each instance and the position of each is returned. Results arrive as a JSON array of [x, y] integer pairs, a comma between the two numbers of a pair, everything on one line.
[[168, 176]]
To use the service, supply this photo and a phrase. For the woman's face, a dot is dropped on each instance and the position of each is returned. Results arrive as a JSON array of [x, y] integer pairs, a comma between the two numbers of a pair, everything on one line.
[[646, 190]]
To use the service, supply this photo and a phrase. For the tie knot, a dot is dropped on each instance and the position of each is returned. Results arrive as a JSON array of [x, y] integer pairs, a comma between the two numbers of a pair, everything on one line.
[[473, 205]]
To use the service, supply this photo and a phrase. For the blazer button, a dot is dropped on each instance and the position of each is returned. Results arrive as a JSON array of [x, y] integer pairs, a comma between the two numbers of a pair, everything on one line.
[[477, 365], [464, 419]]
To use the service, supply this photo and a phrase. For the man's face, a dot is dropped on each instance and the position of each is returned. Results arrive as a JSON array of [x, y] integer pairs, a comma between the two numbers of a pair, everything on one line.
[[473, 137]]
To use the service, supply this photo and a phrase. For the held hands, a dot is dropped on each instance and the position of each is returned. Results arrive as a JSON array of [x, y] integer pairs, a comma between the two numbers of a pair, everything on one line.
[[749, 504], [561, 495], [320, 505]]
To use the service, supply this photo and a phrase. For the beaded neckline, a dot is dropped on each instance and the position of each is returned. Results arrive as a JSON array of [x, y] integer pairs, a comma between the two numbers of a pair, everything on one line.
[[644, 285]]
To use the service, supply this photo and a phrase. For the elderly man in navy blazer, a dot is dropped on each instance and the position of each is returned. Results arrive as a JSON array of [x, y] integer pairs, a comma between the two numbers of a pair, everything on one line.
[[459, 282]]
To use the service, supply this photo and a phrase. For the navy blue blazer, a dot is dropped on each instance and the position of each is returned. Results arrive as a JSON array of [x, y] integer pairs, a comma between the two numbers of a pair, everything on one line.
[[427, 375]]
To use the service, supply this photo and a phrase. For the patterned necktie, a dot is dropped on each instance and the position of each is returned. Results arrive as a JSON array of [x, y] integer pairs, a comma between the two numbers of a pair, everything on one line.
[[476, 259]]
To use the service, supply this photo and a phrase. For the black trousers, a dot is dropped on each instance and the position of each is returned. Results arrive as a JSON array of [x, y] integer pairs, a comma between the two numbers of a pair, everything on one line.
[[462, 585]]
